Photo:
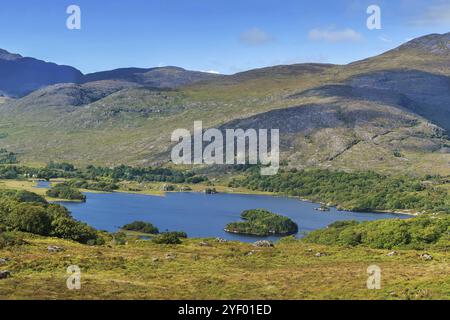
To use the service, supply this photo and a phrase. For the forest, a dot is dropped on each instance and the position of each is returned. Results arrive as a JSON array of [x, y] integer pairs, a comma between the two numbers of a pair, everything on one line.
[[354, 191]]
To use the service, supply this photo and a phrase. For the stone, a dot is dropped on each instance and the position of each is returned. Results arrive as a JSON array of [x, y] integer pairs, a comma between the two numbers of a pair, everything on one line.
[[54, 249], [170, 256], [204, 244], [220, 240], [426, 257], [263, 244], [320, 254], [5, 274], [392, 253], [3, 260]]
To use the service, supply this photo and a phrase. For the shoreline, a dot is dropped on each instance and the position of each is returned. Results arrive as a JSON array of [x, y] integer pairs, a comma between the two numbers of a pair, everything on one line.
[[198, 188]]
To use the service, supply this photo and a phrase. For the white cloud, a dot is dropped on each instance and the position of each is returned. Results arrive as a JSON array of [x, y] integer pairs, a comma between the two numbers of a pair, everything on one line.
[[384, 39], [434, 16], [255, 37], [334, 36], [211, 71]]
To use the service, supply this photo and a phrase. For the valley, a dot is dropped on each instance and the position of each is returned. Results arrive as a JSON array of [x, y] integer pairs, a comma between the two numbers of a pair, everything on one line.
[[83, 155], [365, 115]]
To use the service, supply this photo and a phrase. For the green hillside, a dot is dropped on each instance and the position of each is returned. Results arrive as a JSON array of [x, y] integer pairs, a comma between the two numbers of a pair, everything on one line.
[[387, 113]]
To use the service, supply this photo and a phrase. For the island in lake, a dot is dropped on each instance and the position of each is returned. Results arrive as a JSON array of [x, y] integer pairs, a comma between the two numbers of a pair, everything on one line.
[[261, 222]]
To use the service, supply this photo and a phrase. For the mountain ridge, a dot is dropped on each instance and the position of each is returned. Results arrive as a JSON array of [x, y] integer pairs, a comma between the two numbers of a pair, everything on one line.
[[389, 112]]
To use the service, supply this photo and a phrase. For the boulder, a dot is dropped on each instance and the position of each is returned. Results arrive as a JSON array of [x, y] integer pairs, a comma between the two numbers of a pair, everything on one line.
[[5, 274], [263, 244], [392, 253], [170, 256], [320, 254], [220, 240], [54, 249], [426, 257], [3, 260]]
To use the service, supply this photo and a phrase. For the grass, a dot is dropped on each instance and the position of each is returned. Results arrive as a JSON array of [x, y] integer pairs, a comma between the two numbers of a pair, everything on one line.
[[140, 270], [29, 185], [85, 135]]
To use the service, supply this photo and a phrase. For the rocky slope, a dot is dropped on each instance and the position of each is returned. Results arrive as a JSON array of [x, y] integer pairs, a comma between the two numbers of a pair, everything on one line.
[[390, 112]]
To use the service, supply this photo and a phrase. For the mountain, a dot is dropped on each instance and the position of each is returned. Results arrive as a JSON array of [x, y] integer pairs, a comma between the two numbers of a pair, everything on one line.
[[20, 76], [165, 77], [386, 113]]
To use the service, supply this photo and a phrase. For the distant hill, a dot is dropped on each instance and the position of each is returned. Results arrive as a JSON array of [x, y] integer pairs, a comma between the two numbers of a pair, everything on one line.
[[164, 77], [20, 76], [386, 113]]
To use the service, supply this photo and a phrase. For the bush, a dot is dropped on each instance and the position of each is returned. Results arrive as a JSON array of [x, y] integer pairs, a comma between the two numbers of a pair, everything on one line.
[[169, 238], [32, 218], [23, 196], [119, 238], [44, 219], [141, 226], [416, 233], [8, 239], [64, 191]]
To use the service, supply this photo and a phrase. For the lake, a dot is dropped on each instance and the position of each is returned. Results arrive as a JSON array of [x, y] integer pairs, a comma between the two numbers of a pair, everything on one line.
[[201, 215]]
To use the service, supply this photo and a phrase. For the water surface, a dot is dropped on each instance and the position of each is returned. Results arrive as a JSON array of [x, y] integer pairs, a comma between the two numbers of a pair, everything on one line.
[[203, 216]]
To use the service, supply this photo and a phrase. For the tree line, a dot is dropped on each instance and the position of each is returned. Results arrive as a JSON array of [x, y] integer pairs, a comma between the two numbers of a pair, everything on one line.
[[357, 191]]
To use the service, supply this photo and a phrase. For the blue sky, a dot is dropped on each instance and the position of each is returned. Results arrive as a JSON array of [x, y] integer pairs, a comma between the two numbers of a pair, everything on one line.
[[226, 36]]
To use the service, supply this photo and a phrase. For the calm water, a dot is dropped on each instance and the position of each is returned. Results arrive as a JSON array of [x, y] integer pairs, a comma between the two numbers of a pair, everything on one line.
[[41, 184], [202, 215]]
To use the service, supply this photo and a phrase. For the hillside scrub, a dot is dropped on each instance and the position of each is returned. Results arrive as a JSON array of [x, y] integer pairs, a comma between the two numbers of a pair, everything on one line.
[[96, 186], [358, 191], [65, 191], [98, 174], [173, 237], [262, 223], [7, 157], [141, 226], [417, 233], [26, 212]]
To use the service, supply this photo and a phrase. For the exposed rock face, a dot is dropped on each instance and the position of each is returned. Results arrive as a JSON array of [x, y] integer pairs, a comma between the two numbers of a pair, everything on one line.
[[438, 44], [355, 117]]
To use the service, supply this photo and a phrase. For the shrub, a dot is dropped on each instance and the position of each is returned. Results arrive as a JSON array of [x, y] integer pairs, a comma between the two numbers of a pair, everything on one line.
[[169, 238], [415, 233], [141, 226], [64, 191], [32, 218], [23, 196], [8, 239]]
